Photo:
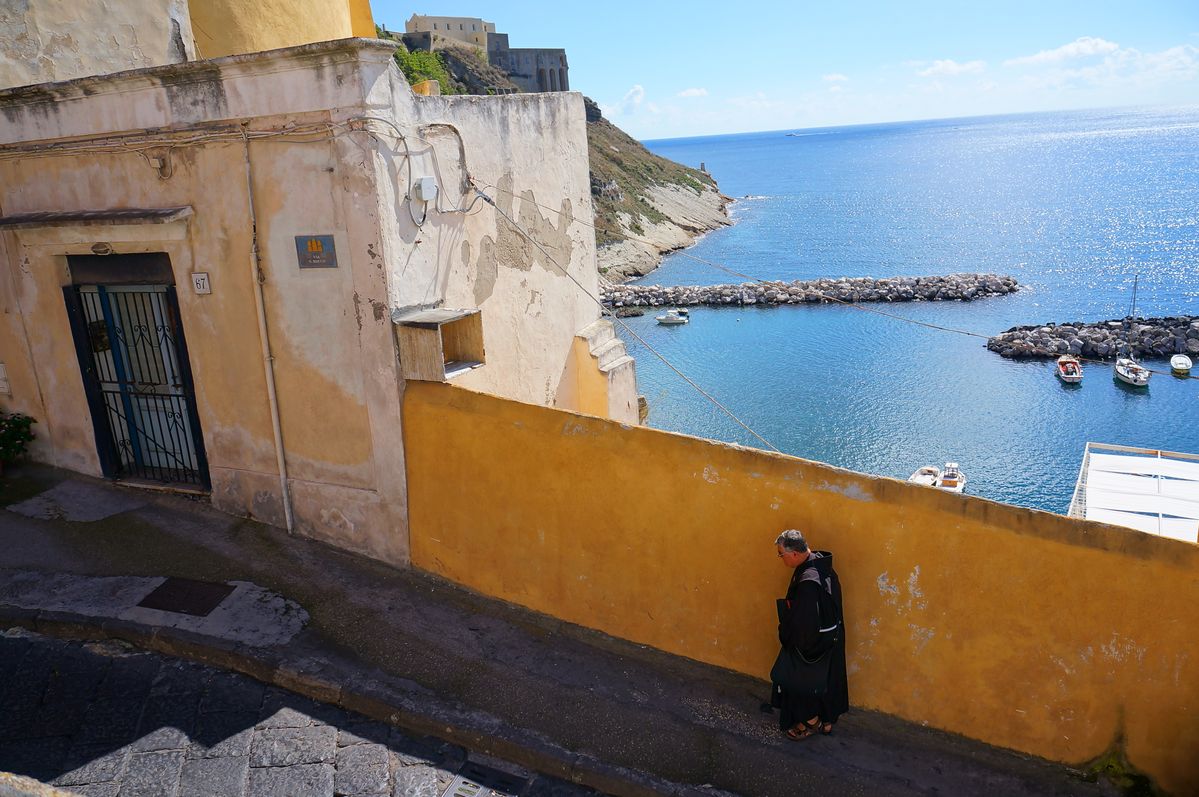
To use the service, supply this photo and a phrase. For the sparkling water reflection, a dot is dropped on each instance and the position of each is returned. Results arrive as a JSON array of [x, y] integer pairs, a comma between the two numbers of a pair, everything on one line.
[[1071, 204]]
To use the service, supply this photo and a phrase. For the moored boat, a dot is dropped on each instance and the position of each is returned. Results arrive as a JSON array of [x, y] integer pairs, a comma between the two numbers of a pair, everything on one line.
[[1181, 364], [950, 478], [1069, 369], [673, 318], [1131, 372], [927, 476]]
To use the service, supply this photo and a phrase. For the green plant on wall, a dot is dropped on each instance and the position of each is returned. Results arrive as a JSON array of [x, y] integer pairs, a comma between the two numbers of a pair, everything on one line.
[[418, 65], [15, 435]]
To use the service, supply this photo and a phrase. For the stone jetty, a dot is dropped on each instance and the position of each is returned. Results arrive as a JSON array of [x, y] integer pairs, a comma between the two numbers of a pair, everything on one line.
[[1103, 340], [952, 287]]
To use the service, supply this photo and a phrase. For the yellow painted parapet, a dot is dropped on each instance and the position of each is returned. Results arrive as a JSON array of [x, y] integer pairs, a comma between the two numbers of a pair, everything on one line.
[[233, 27], [1024, 629]]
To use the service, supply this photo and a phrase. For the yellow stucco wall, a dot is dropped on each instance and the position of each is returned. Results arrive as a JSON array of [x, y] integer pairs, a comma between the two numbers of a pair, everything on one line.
[[1020, 628], [231, 27]]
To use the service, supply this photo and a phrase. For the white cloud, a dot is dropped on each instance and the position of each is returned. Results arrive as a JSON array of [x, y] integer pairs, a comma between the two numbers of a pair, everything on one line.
[[836, 77], [1124, 68], [758, 101], [948, 67], [628, 104], [835, 88], [693, 93], [1079, 48]]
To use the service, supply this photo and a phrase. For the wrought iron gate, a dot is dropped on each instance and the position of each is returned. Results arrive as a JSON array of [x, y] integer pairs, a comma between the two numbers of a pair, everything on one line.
[[138, 382]]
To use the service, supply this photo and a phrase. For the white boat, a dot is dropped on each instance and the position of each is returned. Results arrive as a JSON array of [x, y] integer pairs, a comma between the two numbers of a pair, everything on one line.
[[1131, 372], [1069, 369], [950, 478], [672, 318], [683, 311], [928, 476], [1181, 364]]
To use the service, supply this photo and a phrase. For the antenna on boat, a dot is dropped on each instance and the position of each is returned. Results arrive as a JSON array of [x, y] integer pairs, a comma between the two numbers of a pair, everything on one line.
[[1133, 309]]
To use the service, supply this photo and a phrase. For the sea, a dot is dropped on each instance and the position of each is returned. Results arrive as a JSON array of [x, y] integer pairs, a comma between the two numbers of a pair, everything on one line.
[[1077, 206]]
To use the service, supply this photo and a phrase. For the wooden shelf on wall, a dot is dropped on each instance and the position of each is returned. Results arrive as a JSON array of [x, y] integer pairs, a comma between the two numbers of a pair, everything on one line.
[[437, 345]]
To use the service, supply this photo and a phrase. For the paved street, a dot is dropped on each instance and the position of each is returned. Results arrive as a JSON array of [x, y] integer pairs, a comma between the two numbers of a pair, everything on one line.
[[103, 719]]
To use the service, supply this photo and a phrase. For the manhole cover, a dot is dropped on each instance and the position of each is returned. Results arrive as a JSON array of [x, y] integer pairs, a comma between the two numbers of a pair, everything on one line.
[[477, 780], [184, 596]]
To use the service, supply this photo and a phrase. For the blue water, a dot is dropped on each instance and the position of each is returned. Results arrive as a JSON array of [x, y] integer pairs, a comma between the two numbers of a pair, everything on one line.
[[1071, 204]]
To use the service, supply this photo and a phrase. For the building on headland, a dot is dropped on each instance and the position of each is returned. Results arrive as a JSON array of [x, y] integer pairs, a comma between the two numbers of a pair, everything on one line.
[[270, 276], [532, 69], [222, 274], [468, 30]]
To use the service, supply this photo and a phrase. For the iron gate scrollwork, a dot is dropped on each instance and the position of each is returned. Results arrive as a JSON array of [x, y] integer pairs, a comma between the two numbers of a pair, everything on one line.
[[138, 381]]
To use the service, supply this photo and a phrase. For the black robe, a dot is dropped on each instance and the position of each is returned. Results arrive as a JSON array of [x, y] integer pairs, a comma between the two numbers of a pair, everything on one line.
[[802, 629]]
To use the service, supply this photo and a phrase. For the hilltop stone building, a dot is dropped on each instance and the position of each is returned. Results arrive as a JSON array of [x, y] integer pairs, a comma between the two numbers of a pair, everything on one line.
[[532, 69], [468, 30]]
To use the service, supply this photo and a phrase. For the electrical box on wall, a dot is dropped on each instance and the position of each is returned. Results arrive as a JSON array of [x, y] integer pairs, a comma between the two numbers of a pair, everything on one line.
[[4, 387], [425, 189]]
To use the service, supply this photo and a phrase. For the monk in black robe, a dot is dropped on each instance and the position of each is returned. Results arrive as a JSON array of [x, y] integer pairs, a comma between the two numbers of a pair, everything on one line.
[[810, 622]]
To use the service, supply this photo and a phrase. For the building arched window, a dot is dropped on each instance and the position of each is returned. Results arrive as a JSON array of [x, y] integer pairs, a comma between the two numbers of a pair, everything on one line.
[[553, 80], [562, 80], [541, 82]]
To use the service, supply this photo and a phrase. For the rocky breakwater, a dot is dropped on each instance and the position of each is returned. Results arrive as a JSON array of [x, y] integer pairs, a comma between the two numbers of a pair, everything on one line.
[[953, 287], [1104, 340]]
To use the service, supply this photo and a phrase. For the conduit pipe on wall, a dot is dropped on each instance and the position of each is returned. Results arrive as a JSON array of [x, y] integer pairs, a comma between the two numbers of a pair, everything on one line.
[[268, 359]]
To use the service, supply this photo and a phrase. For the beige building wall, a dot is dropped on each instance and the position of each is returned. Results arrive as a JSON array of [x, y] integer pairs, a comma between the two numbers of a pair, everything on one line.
[[335, 139], [464, 29], [48, 40]]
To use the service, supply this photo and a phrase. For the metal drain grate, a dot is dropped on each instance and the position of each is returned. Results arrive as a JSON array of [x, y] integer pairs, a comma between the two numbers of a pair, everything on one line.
[[478, 780], [184, 596]]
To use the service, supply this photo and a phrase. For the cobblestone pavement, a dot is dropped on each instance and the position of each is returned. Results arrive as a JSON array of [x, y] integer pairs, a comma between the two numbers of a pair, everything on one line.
[[106, 720]]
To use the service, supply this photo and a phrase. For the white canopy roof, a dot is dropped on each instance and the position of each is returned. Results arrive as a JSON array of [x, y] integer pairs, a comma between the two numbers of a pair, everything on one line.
[[1144, 489]]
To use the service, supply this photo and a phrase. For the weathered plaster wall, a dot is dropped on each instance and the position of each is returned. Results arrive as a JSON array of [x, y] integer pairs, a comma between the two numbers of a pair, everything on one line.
[[528, 152], [48, 40], [230, 27], [333, 342], [1020, 628], [331, 337]]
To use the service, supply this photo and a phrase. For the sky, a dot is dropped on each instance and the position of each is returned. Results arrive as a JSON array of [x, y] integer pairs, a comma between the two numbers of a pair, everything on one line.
[[675, 69]]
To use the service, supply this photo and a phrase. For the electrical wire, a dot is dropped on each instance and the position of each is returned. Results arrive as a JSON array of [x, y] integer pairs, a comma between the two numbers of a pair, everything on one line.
[[606, 311]]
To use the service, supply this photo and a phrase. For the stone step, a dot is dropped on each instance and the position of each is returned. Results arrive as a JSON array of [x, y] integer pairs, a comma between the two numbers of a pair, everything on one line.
[[621, 362], [609, 352], [596, 333]]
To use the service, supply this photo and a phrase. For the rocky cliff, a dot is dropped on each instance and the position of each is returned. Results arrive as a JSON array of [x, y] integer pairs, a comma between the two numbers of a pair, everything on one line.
[[645, 205]]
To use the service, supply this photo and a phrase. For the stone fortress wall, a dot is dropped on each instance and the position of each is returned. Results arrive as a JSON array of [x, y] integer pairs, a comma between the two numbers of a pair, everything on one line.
[[533, 69]]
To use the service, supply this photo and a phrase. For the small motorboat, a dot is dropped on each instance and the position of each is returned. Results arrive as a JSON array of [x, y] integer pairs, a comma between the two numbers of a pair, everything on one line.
[[952, 479], [672, 318], [949, 478], [1181, 364], [928, 476], [1131, 372], [1069, 369]]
